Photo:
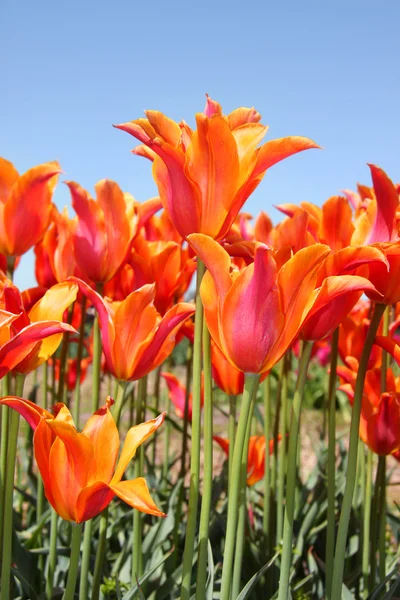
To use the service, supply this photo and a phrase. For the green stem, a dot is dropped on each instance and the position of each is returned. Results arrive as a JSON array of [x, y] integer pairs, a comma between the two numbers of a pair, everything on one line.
[[156, 394], [367, 525], [96, 368], [40, 489], [291, 472], [239, 546], [167, 433], [137, 515], [64, 357], [74, 562], [8, 495], [5, 427], [77, 391], [119, 400], [100, 553], [267, 473], [195, 446], [331, 414], [282, 449], [208, 466], [231, 433], [250, 388], [88, 533], [338, 567], [52, 554], [382, 519]]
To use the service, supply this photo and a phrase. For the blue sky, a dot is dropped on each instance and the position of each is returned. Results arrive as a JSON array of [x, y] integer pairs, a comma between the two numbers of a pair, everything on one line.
[[329, 71]]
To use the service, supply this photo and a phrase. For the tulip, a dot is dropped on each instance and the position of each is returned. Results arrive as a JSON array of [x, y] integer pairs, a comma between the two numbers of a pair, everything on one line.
[[45, 316], [255, 457], [135, 338], [80, 471], [25, 205], [205, 176], [253, 316], [105, 229]]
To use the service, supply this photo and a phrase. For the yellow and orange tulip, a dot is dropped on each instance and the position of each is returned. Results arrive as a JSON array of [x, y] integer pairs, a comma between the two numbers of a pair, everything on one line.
[[202, 187], [80, 471]]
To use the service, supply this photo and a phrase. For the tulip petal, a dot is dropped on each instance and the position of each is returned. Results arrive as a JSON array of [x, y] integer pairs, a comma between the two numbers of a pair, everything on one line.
[[92, 500], [13, 352], [136, 494], [43, 439], [102, 432], [276, 150], [214, 173], [28, 210], [251, 316], [177, 394], [163, 341], [216, 259], [334, 301], [387, 204], [336, 227], [8, 176], [31, 412], [135, 436]]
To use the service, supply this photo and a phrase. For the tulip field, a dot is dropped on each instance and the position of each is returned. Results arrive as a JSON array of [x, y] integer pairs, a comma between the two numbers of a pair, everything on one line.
[[197, 403]]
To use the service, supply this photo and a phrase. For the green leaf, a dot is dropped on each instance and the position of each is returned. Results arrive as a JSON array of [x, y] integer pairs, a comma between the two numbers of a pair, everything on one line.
[[248, 588], [137, 588]]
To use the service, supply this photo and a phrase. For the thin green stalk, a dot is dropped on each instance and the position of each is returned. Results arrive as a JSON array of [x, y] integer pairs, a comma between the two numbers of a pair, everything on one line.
[[291, 472], [182, 472], [119, 394], [64, 357], [382, 519], [137, 515], [374, 527], [167, 433], [250, 388], [367, 525], [88, 533], [156, 394], [40, 489], [74, 562], [282, 449], [195, 446], [5, 427], [239, 546], [8, 495], [267, 472], [96, 365], [338, 567], [52, 554], [79, 353], [331, 463], [231, 433], [208, 466], [100, 553]]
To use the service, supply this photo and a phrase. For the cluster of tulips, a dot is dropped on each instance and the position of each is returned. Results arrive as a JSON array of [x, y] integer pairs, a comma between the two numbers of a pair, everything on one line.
[[325, 282]]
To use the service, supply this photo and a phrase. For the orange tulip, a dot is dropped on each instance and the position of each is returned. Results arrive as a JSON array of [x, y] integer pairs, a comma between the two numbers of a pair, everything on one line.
[[44, 316], [105, 229], [25, 205], [80, 471], [135, 338], [253, 316], [205, 176], [32, 337], [255, 457]]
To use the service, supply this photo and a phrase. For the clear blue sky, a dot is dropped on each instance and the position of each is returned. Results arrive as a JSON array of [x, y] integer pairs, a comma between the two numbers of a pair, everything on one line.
[[327, 70]]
